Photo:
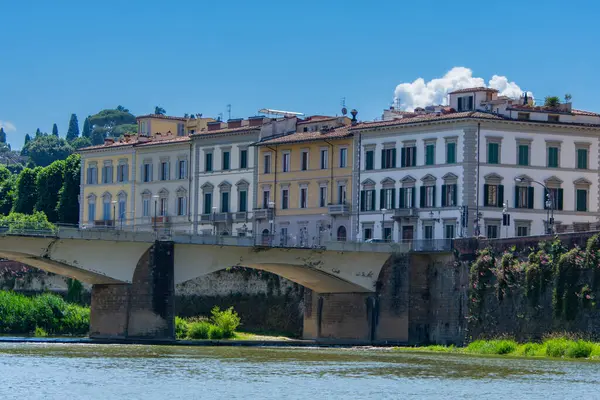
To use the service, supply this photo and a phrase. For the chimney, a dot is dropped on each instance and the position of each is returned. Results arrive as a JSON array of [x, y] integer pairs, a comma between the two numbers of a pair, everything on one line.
[[108, 141], [354, 113], [234, 123], [255, 121], [213, 126]]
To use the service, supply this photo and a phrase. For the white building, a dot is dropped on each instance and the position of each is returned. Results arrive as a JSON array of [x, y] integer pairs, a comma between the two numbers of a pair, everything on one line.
[[451, 171]]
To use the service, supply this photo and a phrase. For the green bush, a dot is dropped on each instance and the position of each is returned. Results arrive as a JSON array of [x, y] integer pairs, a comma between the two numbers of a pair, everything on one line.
[[556, 347], [227, 320], [216, 332], [181, 328], [579, 349], [40, 332], [531, 350], [199, 330], [503, 346]]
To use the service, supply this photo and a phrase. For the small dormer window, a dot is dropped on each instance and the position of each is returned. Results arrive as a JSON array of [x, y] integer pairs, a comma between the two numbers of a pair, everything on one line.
[[465, 103], [306, 129], [553, 118], [523, 116]]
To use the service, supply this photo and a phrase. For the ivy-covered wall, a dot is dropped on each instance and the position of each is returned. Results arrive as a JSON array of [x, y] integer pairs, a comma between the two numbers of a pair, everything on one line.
[[528, 292]]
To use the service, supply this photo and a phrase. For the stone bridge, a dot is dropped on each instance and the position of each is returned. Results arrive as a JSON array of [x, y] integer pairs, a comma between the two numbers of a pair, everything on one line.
[[134, 273]]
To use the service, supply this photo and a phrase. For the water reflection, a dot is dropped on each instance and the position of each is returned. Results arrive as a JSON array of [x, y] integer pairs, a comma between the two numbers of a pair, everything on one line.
[[155, 372]]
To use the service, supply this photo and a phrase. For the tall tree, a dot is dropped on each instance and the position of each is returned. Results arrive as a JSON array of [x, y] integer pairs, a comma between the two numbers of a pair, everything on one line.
[[121, 108], [2, 135], [45, 150], [87, 130], [55, 130], [25, 149], [158, 110], [26, 191], [68, 197], [81, 142], [73, 132], [48, 183], [7, 191], [38, 133]]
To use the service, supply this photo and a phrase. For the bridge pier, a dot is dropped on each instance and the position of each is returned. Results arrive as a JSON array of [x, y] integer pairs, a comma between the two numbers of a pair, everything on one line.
[[143, 309]]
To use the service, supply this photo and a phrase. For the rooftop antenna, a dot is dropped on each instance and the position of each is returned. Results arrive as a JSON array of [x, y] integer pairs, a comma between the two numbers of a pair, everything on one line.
[[220, 117], [229, 110], [344, 109]]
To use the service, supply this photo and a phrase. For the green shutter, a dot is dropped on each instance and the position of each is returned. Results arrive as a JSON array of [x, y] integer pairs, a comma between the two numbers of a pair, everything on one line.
[[393, 205], [373, 199], [383, 159], [500, 196], [429, 150], [552, 157], [451, 153], [523, 154], [560, 200], [362, 200], [581, 200], [433, 200], [414, 198], [485, 194], [582, 158], [401, 193], [381, 198], [492, 153], [394, 158], [530, 198], [403, 157], [455, 194], [444, 196], [422, 196], [516, 197]]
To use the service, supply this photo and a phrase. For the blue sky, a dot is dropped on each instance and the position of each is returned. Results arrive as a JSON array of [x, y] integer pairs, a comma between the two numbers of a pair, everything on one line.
[[67, 56]]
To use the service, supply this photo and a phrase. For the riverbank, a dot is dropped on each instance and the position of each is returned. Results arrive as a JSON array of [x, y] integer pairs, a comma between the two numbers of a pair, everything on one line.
[[556, 347]]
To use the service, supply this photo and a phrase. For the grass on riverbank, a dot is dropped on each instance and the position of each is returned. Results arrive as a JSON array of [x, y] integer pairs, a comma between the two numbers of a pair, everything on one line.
[[42, 315], [221, 325], [555, 347]]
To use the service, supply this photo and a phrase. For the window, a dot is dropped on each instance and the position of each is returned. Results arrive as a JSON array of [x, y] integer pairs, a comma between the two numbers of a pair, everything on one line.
[[407, 197], [493, 153], [429, 154], [162, 206], [523, 116], [180, 130], [91, 210], [285, 199], [449, 231], [164, 171], [450, 153], [243, 201], [465, 103], [147, 172], [207, 202], [522, 230], [449, 195], [122, 208], [369, 160], [523, 154], [427, 196], [388, 158], [208, 162], [492, 231], [524, 197], [107, 174], [428, 232], [367, 200], [267, 163], [553, 157], [144, 128], [226, 160], [304, 160], [224, 202], [387, 199], [322, 196], [182, 169], [582, 195], [409, 156], [122, 173], [553, 118], [324, 158], [266, 198], [368, 233], [106, 212], [146, 207], [493, 195], [582, 159], [303, 197], [92, 175], [387, 233], [285, 161], [243, 159], [556, 198], [181, 205], [341, 194], [343, 157]]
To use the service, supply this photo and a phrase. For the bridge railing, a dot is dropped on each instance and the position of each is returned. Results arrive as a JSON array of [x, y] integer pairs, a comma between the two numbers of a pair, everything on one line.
[[28, 229], [386, 246]]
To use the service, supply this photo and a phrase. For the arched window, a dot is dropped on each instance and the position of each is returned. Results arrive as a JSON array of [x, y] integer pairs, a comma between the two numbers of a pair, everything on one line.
[[341, 234], [265, 237]]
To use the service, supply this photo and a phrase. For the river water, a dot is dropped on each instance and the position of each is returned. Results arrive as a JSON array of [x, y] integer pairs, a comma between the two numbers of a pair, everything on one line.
[[85, 371]]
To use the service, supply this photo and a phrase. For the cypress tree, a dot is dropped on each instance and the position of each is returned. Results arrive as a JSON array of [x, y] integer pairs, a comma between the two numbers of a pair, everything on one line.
[[55, 130], [73, 132], [87, 130], [2, 135]]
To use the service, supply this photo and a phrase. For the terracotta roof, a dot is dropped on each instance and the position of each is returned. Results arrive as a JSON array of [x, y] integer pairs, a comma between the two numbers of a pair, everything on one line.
[[107, 146], [552, 110], [158, 116], [583, 112], [475, 89], [428, 118], [316, 118], [226, 130], [308, 136], [170, 140]]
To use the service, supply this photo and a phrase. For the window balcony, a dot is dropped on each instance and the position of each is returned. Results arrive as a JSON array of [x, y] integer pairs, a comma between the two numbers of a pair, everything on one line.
[[104, 222], [405, 212], [339, 209], [222, 217], [263, 213], [240, 216], [160, 220]]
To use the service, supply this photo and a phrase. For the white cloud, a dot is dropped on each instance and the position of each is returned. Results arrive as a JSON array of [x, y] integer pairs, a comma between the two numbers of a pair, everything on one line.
[[8, 126], [421, 94]]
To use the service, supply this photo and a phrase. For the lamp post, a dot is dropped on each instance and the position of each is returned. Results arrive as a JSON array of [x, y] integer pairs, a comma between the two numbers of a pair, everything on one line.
[[155, 197], [383, 210], [271, 221], [114, 204], [549, 203]]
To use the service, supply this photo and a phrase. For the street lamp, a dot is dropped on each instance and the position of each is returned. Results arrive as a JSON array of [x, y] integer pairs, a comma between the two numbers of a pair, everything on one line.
[[383, 210], [549, 203], [155, 197], [271, 220], [114, 204]]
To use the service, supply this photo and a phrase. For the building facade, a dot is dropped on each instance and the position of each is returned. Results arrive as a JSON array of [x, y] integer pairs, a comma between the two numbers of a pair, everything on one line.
[[445, 173]]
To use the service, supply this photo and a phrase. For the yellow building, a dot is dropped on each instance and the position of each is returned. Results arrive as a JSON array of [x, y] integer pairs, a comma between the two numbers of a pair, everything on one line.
[[304, 184]]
